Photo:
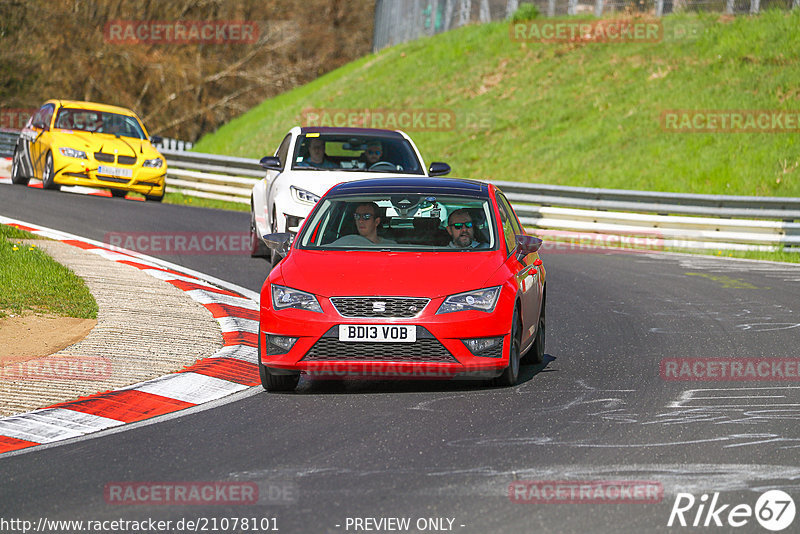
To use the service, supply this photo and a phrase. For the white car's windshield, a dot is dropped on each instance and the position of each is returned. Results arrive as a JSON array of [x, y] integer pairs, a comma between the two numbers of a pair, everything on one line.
[[365, 153], [401, 222], [89, 120]]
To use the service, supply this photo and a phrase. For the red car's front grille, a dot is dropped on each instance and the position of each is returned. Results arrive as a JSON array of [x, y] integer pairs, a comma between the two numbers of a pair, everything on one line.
[[426, 349], [358, 307]]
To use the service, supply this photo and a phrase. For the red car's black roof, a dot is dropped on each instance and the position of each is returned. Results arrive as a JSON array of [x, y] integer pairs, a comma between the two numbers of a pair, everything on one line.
[[421, 185]]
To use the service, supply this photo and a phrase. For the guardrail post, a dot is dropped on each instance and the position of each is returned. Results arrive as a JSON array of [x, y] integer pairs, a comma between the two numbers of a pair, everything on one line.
[[551, 8], [598, 8], [484, 14], [659, 8], [513, 5], [448, 15], [755, 6]]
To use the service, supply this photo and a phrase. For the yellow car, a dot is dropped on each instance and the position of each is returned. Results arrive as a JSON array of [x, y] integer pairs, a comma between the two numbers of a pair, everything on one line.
[[94, 145]]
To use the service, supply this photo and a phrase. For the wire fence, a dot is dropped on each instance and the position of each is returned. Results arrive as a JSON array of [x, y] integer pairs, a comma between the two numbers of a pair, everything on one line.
[[398, 21]]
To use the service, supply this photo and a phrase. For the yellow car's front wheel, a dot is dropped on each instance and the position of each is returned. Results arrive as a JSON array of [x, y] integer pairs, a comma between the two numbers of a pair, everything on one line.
[[48, 175]]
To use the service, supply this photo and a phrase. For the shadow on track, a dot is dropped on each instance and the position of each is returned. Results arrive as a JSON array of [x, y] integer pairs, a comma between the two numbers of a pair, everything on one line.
[[409, 384]]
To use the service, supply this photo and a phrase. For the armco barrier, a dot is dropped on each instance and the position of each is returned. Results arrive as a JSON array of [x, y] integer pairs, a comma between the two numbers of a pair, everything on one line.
[[681, 220]]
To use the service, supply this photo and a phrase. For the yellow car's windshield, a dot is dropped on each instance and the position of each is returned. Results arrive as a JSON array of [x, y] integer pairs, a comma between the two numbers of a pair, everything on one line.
[[89, 120]]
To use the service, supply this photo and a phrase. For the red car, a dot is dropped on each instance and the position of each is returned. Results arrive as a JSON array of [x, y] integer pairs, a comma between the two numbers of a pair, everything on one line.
[[404, 277]]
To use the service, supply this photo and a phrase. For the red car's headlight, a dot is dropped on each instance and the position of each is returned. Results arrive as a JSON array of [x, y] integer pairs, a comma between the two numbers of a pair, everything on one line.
[[286, 297], [480, 300]]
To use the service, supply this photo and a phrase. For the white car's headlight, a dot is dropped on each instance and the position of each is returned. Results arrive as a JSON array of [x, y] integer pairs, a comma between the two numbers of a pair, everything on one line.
[[286, 297], [155, 163], [481, 300], [301, 195], [72, 153]]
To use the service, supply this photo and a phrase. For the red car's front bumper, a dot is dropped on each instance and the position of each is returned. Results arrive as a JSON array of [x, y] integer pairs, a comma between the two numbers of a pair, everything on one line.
[[437, 352]]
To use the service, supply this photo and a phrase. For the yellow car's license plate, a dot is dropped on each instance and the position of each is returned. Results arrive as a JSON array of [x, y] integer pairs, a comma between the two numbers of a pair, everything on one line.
[[115, 171]]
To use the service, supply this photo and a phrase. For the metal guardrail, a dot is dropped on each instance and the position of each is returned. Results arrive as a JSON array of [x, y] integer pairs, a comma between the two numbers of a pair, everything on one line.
[[8, 138], [678, 220], [212, 176]]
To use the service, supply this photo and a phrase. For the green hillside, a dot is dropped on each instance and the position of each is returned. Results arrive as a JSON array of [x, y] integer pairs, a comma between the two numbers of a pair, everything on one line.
[[582, 114]]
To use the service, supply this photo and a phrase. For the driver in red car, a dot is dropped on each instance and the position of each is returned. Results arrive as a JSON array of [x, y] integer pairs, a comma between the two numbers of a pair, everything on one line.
[[461, 230]]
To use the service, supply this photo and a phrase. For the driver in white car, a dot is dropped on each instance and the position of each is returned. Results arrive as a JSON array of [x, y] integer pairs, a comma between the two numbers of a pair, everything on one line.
[[373, 153]]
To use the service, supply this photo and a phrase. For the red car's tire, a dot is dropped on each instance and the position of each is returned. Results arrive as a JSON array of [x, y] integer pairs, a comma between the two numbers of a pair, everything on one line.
[[510, 374], [536, 353], [272, 382]]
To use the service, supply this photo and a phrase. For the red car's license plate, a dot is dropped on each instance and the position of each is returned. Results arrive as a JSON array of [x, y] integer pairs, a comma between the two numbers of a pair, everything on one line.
[[378, 333]]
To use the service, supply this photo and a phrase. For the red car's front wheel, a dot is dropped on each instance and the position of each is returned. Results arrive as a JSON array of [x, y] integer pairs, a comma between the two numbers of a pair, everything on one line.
[[510, 374]]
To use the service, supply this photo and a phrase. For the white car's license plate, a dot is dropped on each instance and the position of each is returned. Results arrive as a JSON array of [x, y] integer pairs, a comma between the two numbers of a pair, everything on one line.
[[388, 333], [115, 171]]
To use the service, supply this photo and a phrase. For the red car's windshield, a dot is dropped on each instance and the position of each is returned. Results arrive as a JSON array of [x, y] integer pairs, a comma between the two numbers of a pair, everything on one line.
[[401, 222]]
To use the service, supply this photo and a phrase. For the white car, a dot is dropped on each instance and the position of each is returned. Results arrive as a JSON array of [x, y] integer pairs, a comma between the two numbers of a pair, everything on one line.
[[309, 161]]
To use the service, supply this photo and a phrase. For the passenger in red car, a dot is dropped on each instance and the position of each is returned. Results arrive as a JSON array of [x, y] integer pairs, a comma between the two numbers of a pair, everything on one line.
[[367, 223]]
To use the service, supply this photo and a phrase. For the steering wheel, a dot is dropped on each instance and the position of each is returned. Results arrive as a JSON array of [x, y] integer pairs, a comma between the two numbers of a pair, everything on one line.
[[383, 165]]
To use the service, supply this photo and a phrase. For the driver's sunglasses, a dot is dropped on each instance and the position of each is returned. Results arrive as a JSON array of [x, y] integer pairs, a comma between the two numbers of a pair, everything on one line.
[[376, 152], [458, 226], [365, 216]]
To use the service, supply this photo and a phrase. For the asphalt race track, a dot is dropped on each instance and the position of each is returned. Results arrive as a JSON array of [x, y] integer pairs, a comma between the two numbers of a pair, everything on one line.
[[597, 409]]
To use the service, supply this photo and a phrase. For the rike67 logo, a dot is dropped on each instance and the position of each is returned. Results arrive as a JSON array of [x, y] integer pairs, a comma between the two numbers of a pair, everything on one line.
[[774, 510]]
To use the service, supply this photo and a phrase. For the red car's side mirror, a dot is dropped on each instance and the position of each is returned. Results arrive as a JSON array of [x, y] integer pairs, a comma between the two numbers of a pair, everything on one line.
[[527, 244]]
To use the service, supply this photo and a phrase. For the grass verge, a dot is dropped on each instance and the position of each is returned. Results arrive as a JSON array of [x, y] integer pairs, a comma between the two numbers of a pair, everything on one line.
[[185, 200], [579, 114], [31, 281]]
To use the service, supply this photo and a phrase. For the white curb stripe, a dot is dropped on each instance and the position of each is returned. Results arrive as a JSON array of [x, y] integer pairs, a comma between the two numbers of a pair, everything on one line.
[[191, 387], [53, 424], [237, 324], [210, 297], [239, 352]]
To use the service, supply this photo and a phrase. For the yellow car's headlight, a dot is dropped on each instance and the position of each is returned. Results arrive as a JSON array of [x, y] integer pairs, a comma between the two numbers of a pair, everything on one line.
[[72, 153], [155, 163]]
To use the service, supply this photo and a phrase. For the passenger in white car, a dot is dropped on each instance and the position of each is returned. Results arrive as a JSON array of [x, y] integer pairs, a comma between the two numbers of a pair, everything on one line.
[[316, 156]]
